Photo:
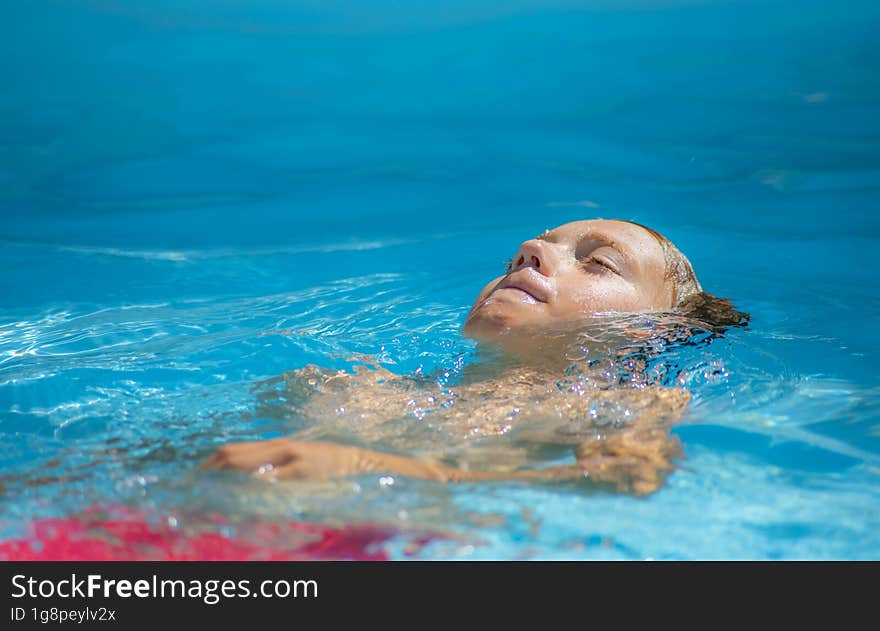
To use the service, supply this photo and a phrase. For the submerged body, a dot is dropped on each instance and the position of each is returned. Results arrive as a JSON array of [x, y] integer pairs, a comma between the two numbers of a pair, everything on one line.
[[496, 428]]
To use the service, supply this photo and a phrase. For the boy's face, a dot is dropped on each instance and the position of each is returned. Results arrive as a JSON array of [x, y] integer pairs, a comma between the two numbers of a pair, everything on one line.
[[578, 269]]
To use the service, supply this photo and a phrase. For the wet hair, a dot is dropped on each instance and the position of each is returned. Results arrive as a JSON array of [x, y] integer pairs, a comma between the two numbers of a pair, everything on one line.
[[688, 297]]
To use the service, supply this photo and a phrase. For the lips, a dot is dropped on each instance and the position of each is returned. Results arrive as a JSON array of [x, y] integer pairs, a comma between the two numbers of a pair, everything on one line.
[[528, 296], [529, 282]]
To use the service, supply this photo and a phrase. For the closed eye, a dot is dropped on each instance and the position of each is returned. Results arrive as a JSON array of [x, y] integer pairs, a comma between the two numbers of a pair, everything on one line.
[[606, 265]]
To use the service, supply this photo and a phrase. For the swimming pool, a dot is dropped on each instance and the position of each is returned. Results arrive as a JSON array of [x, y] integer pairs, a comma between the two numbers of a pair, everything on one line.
[[196, 200]]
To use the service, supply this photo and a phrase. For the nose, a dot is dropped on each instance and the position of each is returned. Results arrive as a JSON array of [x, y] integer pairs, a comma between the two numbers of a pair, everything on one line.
[[536, 254]]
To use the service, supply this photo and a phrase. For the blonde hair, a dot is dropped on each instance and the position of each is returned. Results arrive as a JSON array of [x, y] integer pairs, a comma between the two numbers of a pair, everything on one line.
[[688, 296]]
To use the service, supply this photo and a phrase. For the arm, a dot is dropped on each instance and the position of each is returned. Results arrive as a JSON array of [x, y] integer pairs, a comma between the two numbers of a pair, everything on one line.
[[285, 458], [626, 462], [635, 458]]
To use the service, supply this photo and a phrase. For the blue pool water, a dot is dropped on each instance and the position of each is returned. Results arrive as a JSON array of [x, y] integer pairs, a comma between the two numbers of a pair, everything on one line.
[[196, 197]]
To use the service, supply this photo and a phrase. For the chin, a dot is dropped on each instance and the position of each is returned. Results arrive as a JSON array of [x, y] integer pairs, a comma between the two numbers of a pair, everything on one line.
[[492, 320], [482, 328]]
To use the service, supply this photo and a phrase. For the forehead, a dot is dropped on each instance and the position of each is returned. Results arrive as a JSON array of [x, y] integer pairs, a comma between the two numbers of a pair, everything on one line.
[[634, 241]]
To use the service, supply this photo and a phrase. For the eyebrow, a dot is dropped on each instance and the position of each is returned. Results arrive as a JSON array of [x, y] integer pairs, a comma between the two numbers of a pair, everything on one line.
[[607, 241], [601, 238]]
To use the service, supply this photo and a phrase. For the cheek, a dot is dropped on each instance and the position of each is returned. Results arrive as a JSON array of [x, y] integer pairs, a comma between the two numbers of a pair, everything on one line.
[[600, 294]]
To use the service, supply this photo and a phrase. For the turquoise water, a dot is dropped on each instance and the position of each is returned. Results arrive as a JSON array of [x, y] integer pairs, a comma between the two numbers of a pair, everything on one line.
[[178, 179]]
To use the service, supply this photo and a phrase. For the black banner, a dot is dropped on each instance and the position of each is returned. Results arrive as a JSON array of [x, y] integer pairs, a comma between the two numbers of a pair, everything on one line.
[[232, 594]]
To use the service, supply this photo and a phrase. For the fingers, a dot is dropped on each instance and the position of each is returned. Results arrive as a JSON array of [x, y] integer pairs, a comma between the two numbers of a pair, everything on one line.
[[282, 458], [260, 457]]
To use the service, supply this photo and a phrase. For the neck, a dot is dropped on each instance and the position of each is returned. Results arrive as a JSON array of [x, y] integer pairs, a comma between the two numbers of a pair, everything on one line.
[[544, 351]]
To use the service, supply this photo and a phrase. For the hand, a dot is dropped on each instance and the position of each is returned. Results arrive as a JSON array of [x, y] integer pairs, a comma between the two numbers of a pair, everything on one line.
[[635, 462], [286, 459]]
